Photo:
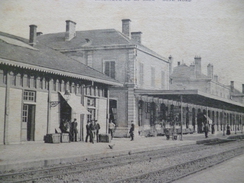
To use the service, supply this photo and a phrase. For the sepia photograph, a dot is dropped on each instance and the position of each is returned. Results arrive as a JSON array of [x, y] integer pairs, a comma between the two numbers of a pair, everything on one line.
[[122, 91]]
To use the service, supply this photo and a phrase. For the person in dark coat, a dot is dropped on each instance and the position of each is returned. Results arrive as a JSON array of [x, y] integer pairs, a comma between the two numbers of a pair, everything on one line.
[[74, 130], [97, 128], [213, 130], [228, 130], [132, 128], [88, 131], [91, 130]]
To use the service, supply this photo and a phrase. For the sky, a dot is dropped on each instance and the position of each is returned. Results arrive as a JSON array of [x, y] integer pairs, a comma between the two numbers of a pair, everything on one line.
[[212, 29]]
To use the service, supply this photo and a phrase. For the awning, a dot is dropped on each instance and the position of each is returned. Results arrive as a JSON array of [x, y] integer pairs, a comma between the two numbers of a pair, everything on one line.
[[194, 97], [75, 104]]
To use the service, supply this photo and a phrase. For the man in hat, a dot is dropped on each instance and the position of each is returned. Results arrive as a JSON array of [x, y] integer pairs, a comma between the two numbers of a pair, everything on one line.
[[74, 130], [97, 128], [132, 128]]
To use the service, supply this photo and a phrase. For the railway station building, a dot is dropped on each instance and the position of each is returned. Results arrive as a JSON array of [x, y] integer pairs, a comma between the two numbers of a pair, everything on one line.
[[119, 55], [40, 88], [151, 96]]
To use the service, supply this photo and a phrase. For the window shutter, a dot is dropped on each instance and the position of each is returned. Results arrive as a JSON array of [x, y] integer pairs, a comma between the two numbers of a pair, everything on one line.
[[107, 68], [113, 69]]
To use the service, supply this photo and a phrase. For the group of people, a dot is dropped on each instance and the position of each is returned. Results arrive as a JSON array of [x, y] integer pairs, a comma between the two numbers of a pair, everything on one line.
[[71, 128], [111, 128], [92, 131]]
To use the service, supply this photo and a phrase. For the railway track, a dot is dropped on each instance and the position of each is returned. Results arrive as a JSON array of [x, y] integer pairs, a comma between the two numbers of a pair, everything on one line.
[[179, 171], [103, 164]]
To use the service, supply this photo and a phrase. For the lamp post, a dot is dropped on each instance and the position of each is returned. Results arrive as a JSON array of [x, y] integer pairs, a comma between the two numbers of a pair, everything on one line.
[[181, 119], [235, 121]]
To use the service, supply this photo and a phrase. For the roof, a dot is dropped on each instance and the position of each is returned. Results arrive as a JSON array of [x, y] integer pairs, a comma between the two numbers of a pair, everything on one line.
[[184, 72], [194, 97], [17, 52], [91, 39]]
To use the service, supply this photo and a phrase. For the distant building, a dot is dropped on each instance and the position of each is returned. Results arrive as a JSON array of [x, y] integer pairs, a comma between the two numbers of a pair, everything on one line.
[[191, 78], [40, 88]]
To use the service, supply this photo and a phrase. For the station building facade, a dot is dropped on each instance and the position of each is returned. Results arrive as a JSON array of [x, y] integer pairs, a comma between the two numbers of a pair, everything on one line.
[[119, 55], [151, 95], [41, 87]]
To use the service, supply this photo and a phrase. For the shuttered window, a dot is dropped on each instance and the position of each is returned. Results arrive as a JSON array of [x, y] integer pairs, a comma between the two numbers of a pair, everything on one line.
[[110, 69]]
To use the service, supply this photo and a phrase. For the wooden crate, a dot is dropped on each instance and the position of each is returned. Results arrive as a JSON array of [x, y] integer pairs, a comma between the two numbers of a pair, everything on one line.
[[104, 138], [52, 138], [64, 137]]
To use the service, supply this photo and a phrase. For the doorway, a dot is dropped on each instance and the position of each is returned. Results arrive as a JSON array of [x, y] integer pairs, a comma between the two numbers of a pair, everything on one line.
[[113, 111], [28, 122]]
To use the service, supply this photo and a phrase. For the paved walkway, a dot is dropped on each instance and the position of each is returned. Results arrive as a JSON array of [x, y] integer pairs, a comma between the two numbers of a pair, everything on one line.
[[35, 154]]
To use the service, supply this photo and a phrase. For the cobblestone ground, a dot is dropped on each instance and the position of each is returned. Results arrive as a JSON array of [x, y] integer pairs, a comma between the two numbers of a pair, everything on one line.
[[229, 171]]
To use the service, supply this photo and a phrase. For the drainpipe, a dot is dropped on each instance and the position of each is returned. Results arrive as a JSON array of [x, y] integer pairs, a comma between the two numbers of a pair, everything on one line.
[[6, 115], [181, 118], [49, 107], [107, 111]]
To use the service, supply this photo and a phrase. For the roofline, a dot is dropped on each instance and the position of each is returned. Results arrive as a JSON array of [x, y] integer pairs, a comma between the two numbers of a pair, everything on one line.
[[90, 48], [53, 71], [105, 47], [185, 92], [154, 55], [192, 79]]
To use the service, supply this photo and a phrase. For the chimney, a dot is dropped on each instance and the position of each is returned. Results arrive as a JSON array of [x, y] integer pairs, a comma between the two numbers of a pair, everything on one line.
[[70, 30], [39, 33], [198, 67], [32, 40], [216, 78], [126, 27], [243, 88], [136, 36], [232, 86], [178, 63], [210, 71]]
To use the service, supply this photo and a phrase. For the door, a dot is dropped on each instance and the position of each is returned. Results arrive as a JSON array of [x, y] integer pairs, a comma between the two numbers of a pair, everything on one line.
[[28, 122]]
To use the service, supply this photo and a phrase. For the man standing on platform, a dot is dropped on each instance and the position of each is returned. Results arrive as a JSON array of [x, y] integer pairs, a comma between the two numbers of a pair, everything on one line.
[[92, 131], [132, 128], [88, 131], [111, 127], [74, 130], [97, 128]]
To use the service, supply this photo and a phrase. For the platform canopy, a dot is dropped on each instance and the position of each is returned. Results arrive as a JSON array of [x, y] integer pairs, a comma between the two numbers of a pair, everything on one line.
[[194, 97], [75, 104]]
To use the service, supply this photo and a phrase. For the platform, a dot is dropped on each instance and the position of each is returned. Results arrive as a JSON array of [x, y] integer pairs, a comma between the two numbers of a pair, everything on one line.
[[33, 154]]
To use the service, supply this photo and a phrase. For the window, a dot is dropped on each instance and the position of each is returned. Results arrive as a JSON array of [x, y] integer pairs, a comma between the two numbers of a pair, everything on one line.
[[92, 115], [141, 74], [91, 102], [162, 79], [152, 76], [29, 96], [110, 69], [25, 113]]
